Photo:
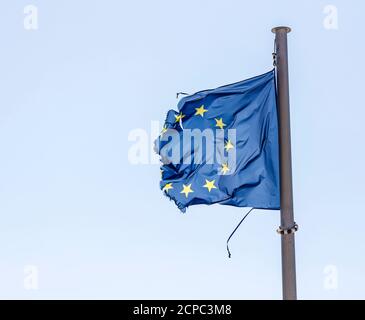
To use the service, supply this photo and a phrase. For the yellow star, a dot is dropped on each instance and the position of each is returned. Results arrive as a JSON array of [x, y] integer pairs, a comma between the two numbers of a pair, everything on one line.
[[225, 168], [200, 111], [219, 123], [164, 130], [209, 185], [179, 117], [228, 145], [167, 187], [186, 189]]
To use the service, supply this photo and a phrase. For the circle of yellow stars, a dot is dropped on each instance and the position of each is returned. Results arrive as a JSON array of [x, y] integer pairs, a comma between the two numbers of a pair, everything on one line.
[[209, 184]]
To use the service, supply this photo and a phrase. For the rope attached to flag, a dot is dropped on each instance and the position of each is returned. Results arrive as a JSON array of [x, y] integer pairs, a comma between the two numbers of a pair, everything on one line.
[[229, 238], [179, 93]]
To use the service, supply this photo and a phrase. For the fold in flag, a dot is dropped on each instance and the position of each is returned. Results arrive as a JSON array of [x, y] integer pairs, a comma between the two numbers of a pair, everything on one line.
[[221, 146]]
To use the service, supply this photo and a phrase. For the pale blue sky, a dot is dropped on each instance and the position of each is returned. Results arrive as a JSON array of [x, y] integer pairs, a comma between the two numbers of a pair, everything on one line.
[[96, 226]]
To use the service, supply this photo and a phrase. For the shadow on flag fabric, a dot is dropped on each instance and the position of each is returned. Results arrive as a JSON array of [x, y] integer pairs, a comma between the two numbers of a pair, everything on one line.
[[221, 146]]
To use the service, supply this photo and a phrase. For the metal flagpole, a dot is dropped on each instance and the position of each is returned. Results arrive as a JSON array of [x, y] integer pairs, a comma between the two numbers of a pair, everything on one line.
[[288, 226]]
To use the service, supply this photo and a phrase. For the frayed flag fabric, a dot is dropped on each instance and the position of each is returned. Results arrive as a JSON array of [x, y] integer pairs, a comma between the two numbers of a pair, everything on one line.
[[221, 146]]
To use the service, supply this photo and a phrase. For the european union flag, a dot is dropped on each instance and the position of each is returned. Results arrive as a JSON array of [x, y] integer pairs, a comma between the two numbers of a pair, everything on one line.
[[221, 146]]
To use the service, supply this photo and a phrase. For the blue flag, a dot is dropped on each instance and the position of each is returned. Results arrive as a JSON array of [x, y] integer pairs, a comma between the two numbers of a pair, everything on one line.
[[221, 146]]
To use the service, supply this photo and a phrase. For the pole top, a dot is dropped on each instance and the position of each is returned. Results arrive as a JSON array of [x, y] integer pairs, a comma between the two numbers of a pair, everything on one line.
[[280, 29]]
